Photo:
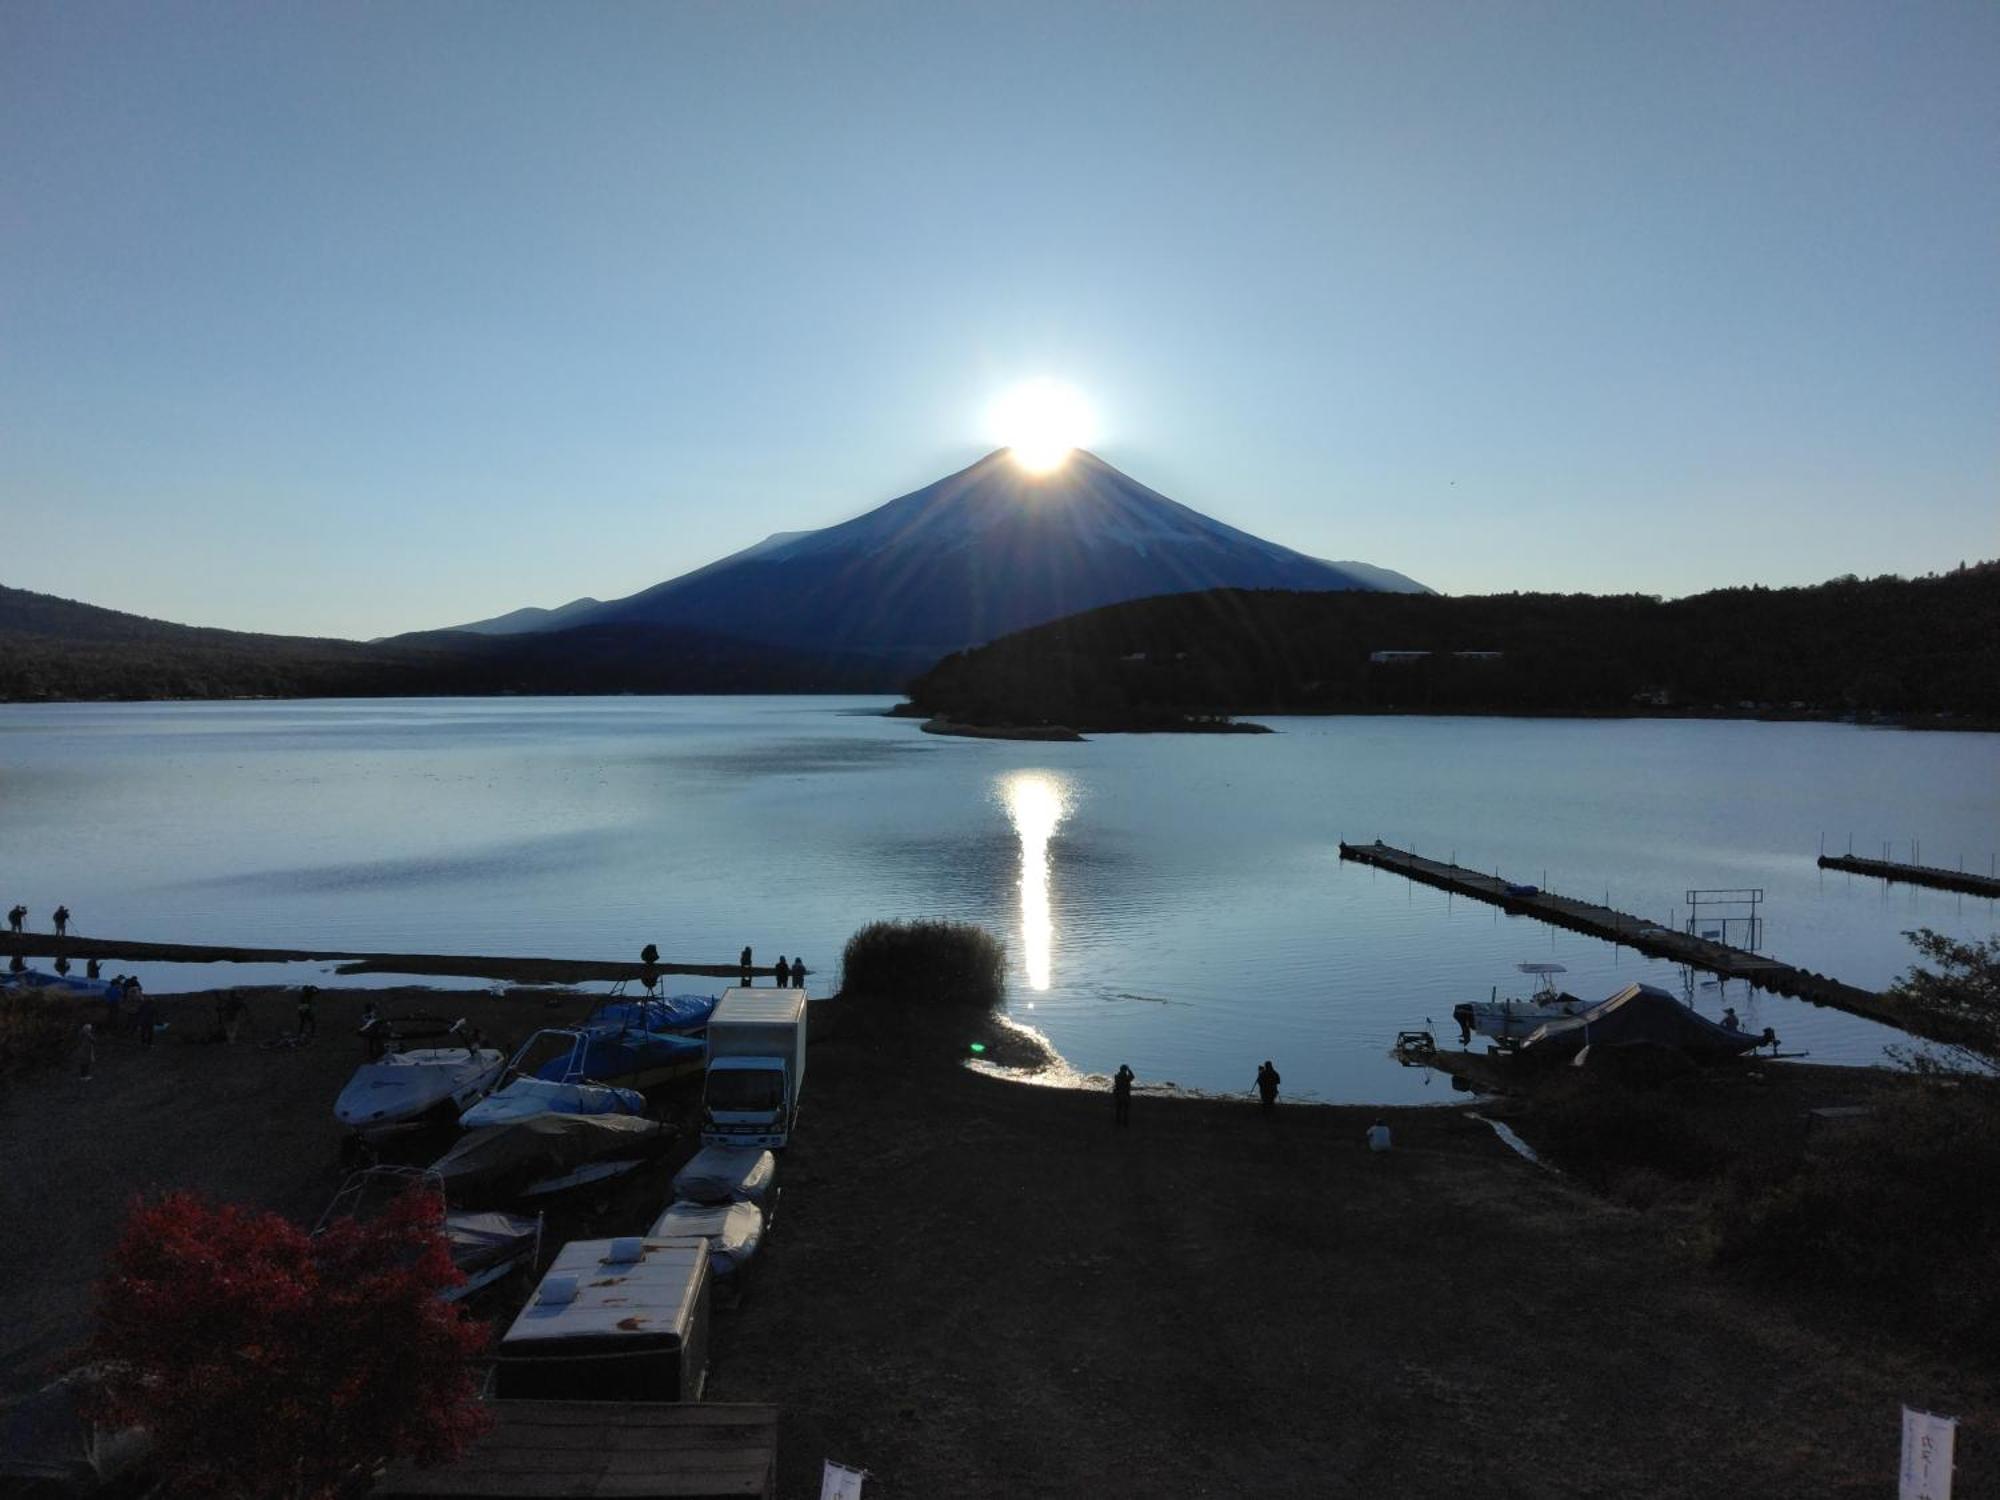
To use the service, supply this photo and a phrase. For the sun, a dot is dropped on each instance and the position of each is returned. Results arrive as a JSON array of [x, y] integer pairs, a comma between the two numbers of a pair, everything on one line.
[[1041, 422]]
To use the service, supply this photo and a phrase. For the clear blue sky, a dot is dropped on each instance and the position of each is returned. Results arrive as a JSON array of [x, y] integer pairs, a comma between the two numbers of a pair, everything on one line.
[[362, 318]]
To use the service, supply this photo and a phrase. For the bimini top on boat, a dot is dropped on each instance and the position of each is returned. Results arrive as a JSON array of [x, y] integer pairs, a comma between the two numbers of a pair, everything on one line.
[[553, 1074], [1513, 1020], [1642, 1013]]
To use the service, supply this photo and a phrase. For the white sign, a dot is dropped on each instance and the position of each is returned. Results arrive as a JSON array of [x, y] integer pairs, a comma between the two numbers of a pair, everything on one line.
[[838, 1482], [1926, 1472]]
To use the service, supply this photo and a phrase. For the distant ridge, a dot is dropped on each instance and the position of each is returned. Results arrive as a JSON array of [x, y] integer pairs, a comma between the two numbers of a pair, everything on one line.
[[982, 552], [529, 618]]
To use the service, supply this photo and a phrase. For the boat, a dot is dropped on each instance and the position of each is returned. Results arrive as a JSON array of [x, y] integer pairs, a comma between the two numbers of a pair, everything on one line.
[[62, 985], [409, 1084], [545, 1154], [1511, 1021], [639, 1043], [551, 1075], [733, 1231], [726, 1174], [1642, 1016], [486, 1246]]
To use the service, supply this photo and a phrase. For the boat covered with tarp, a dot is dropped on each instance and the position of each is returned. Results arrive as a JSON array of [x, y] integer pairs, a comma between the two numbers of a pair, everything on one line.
[[1643, 1015], [550, 1075], [726, 1174], [529, 1158], [733, 1231], [485, 1245], [62, 985], [638, 1043]]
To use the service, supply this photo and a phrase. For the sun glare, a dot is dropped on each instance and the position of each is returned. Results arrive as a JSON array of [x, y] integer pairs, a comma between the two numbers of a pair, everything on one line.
[[1041, 422]]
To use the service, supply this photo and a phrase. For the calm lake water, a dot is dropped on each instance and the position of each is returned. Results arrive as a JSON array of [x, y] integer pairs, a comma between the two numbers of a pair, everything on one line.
[[1177, 903]]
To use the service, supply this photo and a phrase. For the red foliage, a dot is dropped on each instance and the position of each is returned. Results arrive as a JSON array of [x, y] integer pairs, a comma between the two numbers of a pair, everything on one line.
[[267, 1361]]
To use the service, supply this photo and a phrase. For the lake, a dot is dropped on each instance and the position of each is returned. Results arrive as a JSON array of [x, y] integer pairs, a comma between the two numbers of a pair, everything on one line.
[[1175, 902]]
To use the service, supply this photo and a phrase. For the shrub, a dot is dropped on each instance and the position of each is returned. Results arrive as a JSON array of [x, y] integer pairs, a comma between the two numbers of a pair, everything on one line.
[[36, 1031], [270, 1362], [1901, 1214], [1602, 1131], [930, 964]]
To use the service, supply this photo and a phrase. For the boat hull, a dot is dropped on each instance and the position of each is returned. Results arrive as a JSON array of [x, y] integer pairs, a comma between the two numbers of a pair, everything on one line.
[[407, 1086]]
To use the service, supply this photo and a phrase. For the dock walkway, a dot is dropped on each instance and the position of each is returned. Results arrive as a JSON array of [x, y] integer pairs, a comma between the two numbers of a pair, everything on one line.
[[1647, 936], [1889, 869], [470, 966]]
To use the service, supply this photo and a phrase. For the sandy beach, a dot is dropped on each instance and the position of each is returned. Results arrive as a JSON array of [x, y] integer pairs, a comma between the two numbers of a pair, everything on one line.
[[977, 1287]]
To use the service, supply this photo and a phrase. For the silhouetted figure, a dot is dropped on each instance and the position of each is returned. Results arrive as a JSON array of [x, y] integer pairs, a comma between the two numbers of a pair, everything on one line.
[[1267, 1086], [17, 965], [229, 1010], [784, 971], [86, 1050], [94, 969], [744, 964], [1121, 1095], [798, 973], [370, 1031], [62, 921], [62, 964], [1729, 1019], [145, 1012], [649, 955], [15, 917], [308, 1016]]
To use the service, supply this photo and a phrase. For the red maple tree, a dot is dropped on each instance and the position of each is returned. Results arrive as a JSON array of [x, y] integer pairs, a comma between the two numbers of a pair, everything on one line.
[[271, 1362]]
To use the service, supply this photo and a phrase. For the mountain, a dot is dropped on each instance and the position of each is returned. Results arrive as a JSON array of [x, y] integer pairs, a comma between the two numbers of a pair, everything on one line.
[[522, 621], [58, 649], [1915, 649], [988, 550]]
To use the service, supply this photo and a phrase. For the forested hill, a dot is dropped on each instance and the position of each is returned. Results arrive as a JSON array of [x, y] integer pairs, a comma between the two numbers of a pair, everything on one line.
[[57, 649], [1886, 646]]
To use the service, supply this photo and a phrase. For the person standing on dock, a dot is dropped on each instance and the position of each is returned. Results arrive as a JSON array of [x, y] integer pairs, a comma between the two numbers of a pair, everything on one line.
[[784, 972], [798, 973], [744, 964], [16, 917], [62, 921], [1267, 1086], [1121, 1095]]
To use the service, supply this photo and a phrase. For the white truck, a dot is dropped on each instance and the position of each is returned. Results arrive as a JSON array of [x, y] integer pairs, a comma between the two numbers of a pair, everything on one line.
[[756, 1066]]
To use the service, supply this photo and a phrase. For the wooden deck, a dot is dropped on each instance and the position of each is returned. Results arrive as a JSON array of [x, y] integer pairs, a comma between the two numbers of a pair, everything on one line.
[[1648, 937], [605, 1450], [1889, 869]]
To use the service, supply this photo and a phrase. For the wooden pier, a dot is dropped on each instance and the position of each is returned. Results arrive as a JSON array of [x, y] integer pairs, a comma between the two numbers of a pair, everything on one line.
[[1647, 936], [506, 970], [1889, 869]]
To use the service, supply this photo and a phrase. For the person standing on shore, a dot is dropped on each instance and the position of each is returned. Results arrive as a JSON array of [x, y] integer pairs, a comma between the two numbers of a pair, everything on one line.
[[1378, 1137], [308, 1017], [16, 917], [1121, 1095], [798, 973], [144, 1011], [1267, 1086], [86, 1050], [744, 964], [783, 971], [62, 921]]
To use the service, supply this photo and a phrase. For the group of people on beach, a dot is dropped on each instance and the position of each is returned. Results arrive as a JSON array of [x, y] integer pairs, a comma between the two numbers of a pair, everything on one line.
[[792, 975], [17, 919], [1377, 1136]]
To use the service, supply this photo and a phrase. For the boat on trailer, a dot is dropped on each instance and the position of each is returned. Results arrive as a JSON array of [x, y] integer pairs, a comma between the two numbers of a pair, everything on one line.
[[487, 1247], [1511, 1022], [408, 1084], [552, 1074]]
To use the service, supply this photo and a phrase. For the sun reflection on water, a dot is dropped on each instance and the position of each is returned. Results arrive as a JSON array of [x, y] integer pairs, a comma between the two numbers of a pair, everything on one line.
[[1037, 802]]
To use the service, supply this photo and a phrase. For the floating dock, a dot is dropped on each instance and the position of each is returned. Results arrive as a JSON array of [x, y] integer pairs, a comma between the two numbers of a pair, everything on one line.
[[1647, 936], [1889, 869], [469, 966]]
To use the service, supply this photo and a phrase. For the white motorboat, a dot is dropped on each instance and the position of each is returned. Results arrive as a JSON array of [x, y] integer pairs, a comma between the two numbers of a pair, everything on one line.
[[549, 1076], [399, 1088], [1511, 1021]]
